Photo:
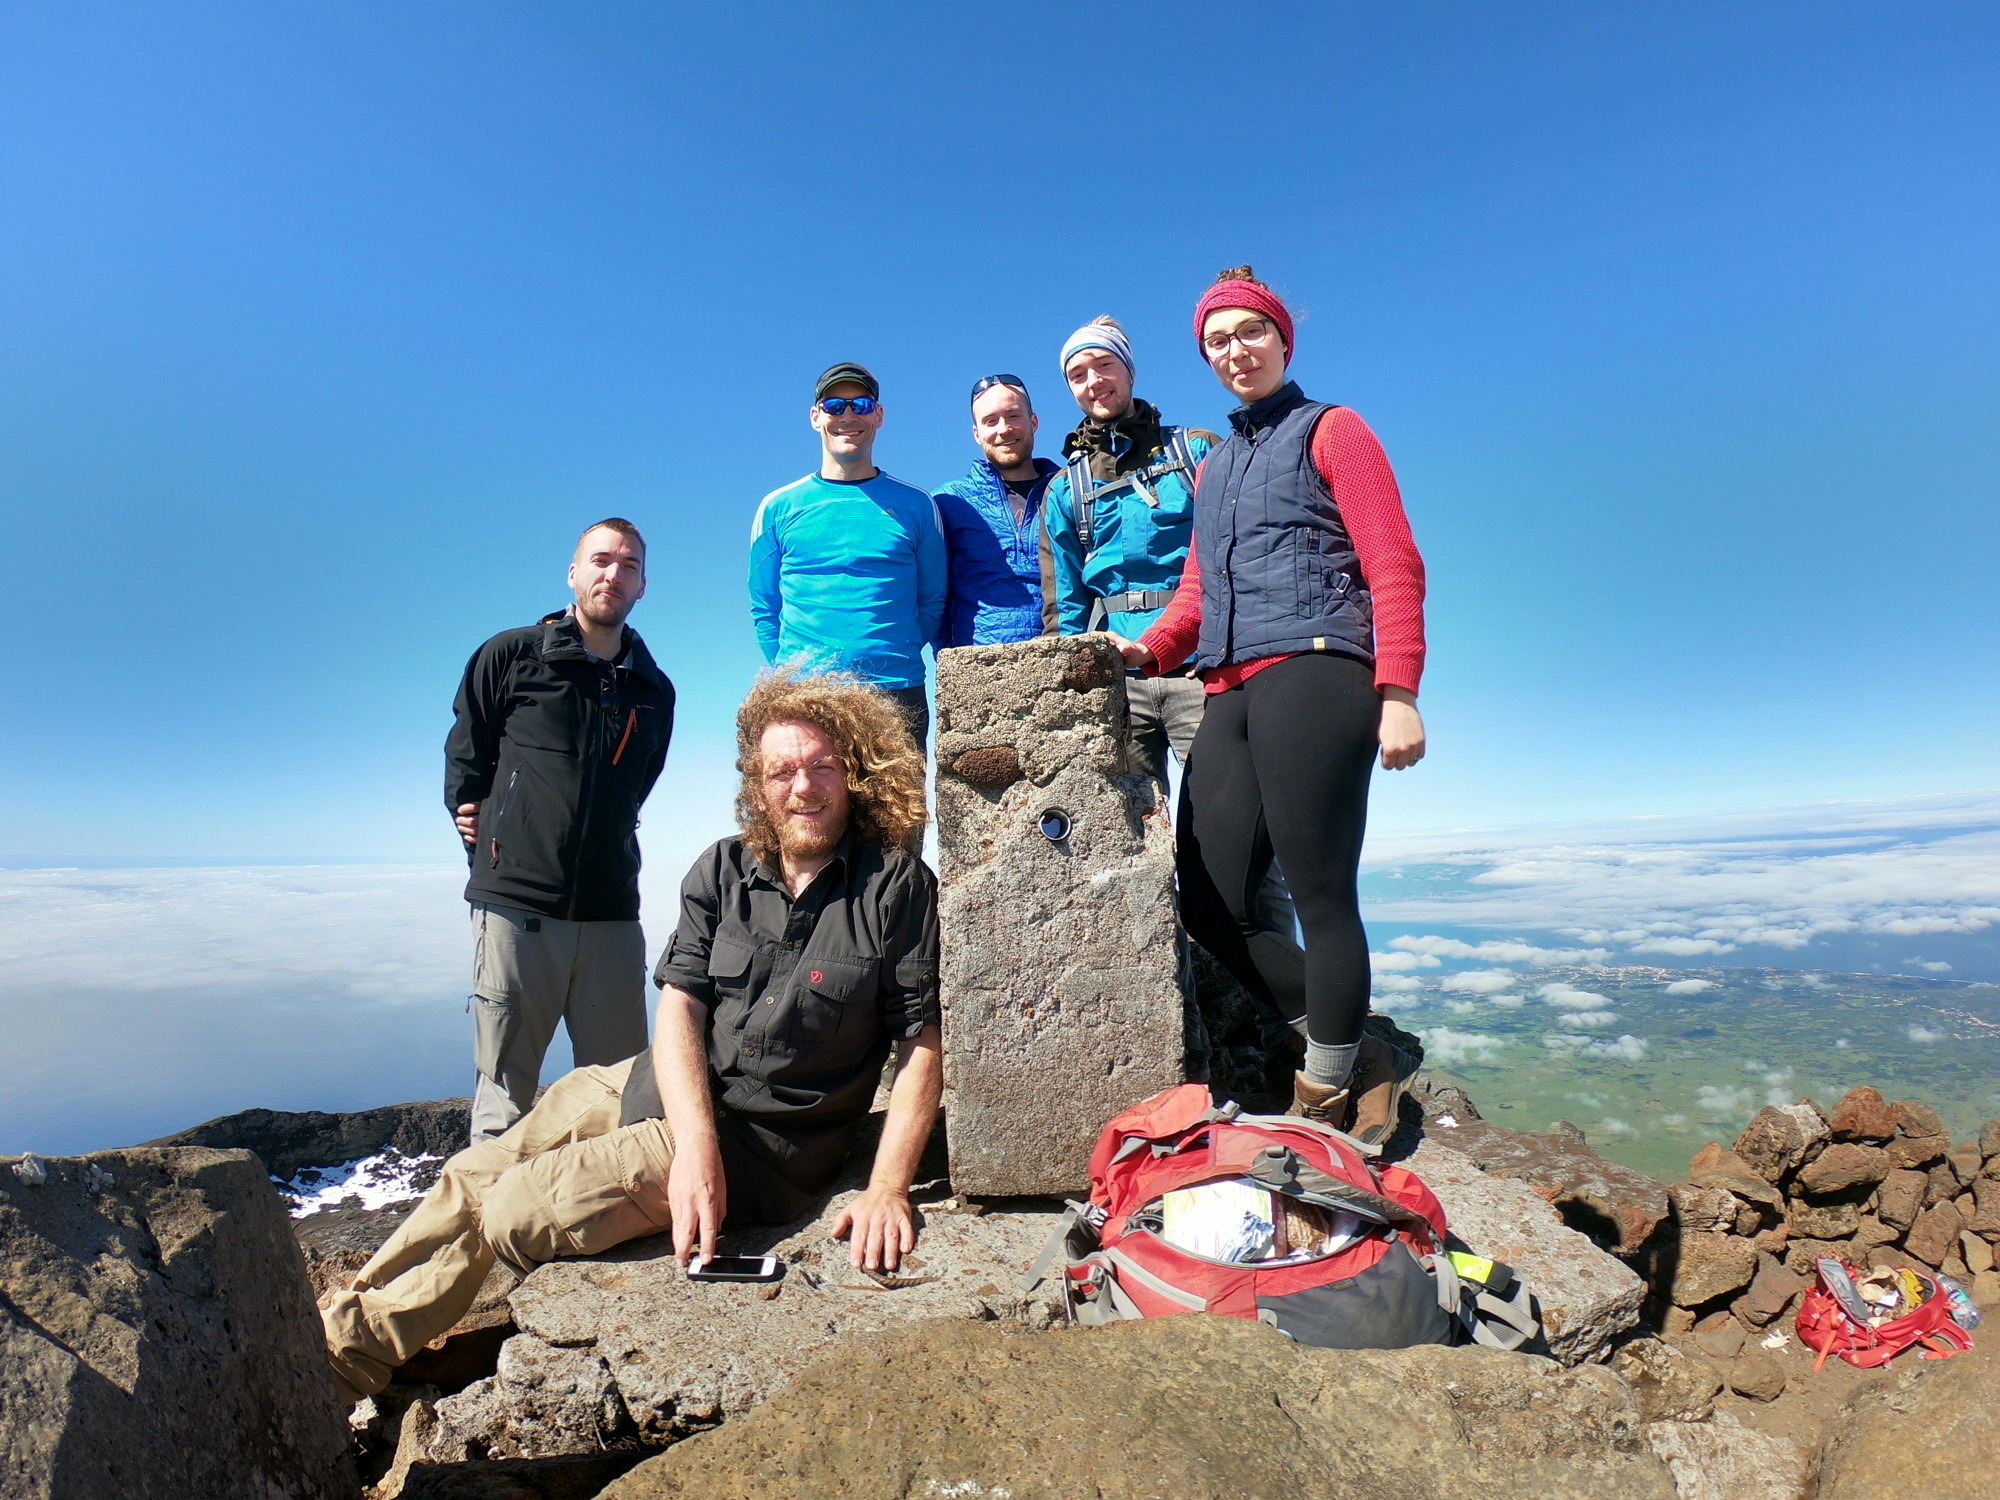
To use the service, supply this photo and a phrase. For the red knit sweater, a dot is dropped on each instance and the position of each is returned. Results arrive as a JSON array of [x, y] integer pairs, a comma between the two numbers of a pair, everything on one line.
[[1350, 458]]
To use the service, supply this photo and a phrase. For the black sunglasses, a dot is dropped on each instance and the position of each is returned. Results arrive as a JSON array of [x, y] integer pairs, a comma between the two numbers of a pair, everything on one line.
[[986, 383]]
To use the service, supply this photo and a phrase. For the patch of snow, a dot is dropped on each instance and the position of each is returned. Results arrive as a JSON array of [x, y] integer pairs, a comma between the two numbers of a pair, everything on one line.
[[377, 1181]]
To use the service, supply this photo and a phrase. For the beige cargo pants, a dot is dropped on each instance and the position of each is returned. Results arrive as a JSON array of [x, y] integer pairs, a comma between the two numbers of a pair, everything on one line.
[[566, 1179]]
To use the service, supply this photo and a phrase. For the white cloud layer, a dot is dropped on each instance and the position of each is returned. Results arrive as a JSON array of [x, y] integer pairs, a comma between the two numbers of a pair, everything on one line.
[[1397, 984], [1478, 981], [1625, 1048], [1777, 879], [1690, 986], [375, 932], [1567, 997], [1434, 948], [1385, 963], [1450, 1049]]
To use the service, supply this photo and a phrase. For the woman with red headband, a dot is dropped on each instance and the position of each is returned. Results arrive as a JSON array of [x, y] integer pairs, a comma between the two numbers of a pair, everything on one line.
[[1303, 605]]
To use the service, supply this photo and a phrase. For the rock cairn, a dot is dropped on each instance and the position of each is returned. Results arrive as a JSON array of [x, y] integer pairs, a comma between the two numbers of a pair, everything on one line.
[[1871, 1182]]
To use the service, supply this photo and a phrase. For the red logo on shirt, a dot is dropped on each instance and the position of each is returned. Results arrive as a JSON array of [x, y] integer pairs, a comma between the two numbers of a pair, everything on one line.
[[817, 976]]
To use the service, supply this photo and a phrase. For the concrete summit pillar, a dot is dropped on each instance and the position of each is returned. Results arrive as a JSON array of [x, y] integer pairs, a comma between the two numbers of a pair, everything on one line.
[[1061, 969]]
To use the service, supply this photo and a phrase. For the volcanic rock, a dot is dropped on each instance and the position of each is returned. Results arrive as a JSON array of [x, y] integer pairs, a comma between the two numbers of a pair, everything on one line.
[[1842, 1168], [1872, 1231], [1989, 1139], [1669, 1386], [157, 1335], [1758, 1375], [1703, 1210], [1902, 1197], [1587, 1297], [1771, 1292], [1940, 1183], [1721, 1459], [1861, 1115], [1935, 1234], [954, 1409], [1929, 1428], [1711, 1266], [1061, 972], [1825, 1221], [1985, 1221], [288, 1141], [1719, 1338], [1915, 1119], [1616, 1207], [1965, 1162], [1778, 1138], [1917, 1150], [1802, 1256], [1714, 1167]]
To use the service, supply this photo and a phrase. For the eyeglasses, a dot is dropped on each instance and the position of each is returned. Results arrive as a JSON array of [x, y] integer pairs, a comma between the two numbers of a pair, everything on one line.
[[986, 383], [819, 772], [840, 406], [1254, 334]]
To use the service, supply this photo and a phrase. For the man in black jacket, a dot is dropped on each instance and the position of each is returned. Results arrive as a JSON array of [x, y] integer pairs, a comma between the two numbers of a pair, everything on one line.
[[561, 730]]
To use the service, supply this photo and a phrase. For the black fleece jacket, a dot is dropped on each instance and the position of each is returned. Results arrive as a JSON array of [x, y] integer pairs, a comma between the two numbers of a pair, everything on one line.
[[559, 751]]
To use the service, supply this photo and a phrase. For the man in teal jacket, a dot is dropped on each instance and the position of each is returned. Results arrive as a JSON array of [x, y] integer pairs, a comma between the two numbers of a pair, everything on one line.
[[1113, 561], [847, 565]]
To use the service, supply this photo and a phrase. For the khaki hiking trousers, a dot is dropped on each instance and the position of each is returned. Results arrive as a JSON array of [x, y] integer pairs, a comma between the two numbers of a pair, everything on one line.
[[566, 1179]]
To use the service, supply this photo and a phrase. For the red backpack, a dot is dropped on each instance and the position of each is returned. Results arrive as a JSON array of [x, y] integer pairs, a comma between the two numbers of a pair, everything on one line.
[[1833, 1320], [1390, 1286]]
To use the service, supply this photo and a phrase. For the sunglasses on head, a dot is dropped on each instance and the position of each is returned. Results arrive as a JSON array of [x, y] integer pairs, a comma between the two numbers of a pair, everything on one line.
[[986, 383], [838, 406]]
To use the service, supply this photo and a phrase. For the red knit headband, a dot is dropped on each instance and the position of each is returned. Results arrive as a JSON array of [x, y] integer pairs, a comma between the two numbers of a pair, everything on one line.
[[1259, 299]]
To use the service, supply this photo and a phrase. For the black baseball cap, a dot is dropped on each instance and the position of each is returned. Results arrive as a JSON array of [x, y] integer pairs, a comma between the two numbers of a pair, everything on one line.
[[843, 374]]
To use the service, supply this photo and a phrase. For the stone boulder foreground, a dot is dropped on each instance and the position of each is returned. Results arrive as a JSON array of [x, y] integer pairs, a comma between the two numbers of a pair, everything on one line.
[[157, 1335], [1189, 1407], [1062, 971], [624, 1349]]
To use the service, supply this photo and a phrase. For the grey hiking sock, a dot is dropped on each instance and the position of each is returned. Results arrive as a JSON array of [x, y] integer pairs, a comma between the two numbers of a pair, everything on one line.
[[1329, 1067]]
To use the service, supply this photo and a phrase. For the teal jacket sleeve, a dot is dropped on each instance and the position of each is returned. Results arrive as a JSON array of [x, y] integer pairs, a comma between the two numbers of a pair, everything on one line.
[[766, 569], [933, 573], [1066, 607]]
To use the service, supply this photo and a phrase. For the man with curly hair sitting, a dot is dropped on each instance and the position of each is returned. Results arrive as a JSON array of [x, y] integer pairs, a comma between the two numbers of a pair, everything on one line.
[[806, 953]]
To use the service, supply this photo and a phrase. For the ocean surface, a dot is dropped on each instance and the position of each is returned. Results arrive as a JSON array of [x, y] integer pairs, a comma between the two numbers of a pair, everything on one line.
[[1653, 983]]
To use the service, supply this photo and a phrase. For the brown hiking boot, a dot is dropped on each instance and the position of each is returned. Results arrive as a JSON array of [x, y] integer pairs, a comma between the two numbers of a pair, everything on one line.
[[1317, 1101], [1382, 1075]]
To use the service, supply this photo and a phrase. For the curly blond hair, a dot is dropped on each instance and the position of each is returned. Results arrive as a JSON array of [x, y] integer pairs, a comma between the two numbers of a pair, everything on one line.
[[885, 770]]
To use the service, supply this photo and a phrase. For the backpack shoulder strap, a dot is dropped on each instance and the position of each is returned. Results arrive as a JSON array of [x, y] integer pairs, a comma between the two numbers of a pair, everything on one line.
[[1083, 500]]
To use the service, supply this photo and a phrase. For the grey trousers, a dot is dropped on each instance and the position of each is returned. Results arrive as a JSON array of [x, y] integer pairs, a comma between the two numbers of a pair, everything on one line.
[[529, 973], [1165, 712]]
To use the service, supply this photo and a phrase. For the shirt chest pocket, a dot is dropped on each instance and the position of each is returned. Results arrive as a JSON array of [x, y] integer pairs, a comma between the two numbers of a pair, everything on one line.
[[729, 963], [836, 999]]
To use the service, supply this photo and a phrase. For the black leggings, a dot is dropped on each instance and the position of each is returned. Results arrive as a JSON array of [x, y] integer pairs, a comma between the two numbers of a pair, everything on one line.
[[1280, 767]]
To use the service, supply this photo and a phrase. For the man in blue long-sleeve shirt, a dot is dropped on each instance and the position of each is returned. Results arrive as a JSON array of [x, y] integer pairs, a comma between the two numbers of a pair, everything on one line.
[[847, 565]]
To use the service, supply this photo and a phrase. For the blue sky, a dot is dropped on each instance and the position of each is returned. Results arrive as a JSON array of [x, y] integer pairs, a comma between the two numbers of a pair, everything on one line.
[[327, 326]]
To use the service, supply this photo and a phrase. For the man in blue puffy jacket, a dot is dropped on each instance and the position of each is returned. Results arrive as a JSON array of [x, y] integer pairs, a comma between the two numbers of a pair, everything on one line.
[[992, 522], [847, 565]]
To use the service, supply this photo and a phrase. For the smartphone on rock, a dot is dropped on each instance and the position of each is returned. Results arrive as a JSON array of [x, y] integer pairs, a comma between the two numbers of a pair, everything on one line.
[[734, 1268]]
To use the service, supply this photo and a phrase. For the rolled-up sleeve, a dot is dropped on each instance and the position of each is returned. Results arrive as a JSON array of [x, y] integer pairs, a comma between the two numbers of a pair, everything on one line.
[[685, 963], [909, 984]]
